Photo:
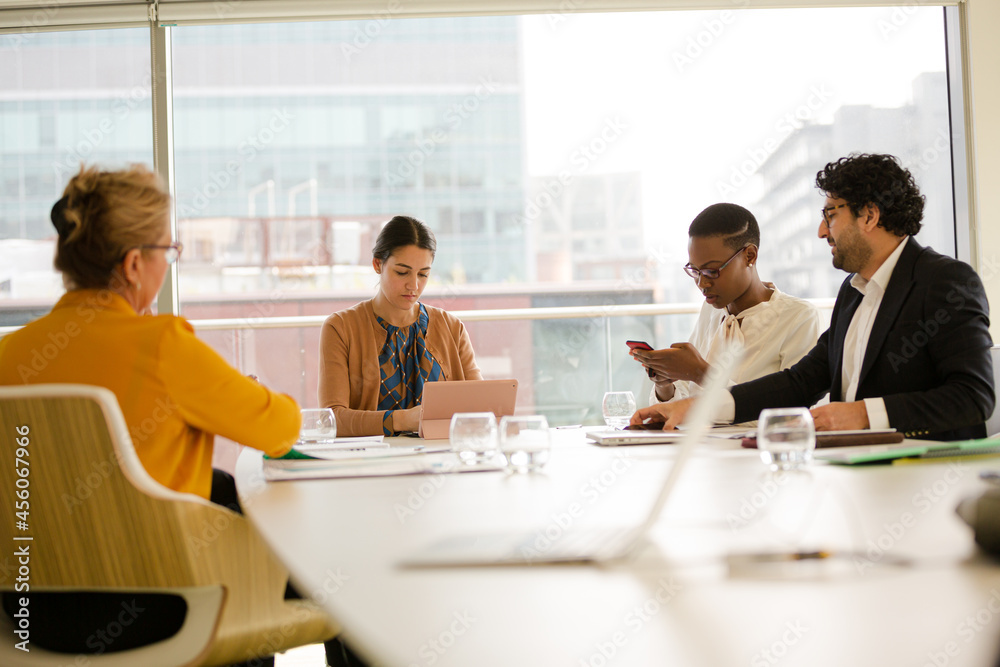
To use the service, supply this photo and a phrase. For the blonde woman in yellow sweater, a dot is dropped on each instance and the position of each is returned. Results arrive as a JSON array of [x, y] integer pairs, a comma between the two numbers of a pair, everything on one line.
[[175, 392]]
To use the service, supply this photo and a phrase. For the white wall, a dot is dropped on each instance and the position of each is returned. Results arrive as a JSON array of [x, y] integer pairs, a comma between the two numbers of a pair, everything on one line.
[[983, 18]]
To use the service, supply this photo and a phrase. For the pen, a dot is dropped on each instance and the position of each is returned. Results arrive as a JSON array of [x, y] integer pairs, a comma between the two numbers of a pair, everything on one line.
[[991, 476], [790, 556]]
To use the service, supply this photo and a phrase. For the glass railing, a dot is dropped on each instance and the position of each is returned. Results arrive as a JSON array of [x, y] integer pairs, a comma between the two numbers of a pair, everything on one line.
[[564, 358]]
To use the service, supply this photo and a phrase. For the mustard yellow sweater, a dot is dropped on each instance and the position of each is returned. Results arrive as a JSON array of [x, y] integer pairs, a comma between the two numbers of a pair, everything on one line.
[[173, 389]]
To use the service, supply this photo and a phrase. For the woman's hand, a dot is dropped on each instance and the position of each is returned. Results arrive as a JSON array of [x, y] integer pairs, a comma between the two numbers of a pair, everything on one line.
[[681, 361], [664, 387], [406, 420]]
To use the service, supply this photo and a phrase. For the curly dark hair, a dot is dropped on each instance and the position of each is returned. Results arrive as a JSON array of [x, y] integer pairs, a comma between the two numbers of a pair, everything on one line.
[[879, 180]]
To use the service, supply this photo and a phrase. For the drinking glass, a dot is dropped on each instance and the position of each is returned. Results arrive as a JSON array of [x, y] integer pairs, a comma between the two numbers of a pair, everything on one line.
[[786, 437], [473, 436], [319, 426], [525, 442], [618, 407]]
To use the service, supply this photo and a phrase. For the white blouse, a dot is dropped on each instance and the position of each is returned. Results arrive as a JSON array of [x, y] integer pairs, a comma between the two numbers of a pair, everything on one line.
[[775, 334]]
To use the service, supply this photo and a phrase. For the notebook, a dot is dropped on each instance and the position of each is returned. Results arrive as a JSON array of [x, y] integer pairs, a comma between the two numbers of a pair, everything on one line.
[[443, 399], [391, 462], [852, 438], [580, 544], [922, 449]]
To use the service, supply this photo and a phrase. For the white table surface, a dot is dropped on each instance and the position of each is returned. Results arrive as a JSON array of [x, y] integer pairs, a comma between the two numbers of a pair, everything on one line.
[[908, 588]]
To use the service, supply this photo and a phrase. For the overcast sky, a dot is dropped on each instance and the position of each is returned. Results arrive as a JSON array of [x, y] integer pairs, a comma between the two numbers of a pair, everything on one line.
[[690, 93]]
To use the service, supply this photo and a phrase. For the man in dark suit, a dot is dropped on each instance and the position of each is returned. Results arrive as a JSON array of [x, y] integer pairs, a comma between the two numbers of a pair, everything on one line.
[[908, 344]]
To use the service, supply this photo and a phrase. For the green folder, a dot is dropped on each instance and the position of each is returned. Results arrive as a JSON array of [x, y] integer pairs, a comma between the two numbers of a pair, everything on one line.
[[922, 449], [290, 454]]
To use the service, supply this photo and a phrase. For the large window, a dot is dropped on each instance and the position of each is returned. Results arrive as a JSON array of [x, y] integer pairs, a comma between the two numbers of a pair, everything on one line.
[[539, 158], [543, 149], [559, 159], [65, 98]]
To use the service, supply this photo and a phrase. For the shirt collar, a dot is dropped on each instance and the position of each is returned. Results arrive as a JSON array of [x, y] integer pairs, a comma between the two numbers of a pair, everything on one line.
[[882, 275], [420, 323], [763, 305]]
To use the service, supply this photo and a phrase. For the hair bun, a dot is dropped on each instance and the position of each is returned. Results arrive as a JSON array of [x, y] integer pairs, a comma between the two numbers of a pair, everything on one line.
[[58, 217]]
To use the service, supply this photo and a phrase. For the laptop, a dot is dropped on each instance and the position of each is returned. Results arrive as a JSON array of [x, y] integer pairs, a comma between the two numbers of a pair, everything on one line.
[[585, 544], [443, 399], [619, 438]]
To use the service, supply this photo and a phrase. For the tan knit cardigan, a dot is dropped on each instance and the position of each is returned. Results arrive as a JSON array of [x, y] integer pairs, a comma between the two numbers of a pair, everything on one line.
[[349, 375]]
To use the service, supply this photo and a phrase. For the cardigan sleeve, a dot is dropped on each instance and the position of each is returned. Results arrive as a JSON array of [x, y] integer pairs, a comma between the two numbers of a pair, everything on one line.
[[214, 397], [335, 380]]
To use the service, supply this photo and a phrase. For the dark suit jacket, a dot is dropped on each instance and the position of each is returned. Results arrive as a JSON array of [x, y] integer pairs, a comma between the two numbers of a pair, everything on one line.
[[928, 355]]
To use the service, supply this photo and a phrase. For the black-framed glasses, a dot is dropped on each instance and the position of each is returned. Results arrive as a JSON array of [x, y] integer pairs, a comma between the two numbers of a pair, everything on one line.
[[171, 253], [712, 274], [827, 210]]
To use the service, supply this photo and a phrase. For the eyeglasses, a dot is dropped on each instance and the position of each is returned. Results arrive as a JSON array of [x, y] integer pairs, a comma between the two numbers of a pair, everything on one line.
[[826, 210], [712, 274], [172, 252]]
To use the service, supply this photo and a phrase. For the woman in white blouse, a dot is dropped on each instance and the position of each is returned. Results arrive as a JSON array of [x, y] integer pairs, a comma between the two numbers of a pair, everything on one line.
[[776, 329]]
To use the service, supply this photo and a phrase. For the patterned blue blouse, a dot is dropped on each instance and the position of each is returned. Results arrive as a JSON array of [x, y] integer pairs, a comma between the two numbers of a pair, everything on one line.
[[404, 364]]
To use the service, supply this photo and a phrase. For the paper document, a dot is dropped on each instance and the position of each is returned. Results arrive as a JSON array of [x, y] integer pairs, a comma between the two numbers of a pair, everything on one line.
[[372, 465], [343, 443], [379, 451]]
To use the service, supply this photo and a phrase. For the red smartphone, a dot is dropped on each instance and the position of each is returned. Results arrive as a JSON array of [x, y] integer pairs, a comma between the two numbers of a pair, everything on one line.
[[641, 345]]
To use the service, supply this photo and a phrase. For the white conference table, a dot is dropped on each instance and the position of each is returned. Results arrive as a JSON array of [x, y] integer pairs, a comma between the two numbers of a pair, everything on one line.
[[905, 584]]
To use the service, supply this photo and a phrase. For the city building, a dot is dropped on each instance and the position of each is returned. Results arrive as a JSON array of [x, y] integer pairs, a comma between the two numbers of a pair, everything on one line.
[[788, 207]]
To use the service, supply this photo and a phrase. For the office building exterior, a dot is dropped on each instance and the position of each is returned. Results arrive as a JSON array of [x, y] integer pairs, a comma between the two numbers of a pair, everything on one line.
[[788, 208]]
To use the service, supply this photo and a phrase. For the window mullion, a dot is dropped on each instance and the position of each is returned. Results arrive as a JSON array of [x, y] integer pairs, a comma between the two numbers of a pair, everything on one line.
[[161, 76]]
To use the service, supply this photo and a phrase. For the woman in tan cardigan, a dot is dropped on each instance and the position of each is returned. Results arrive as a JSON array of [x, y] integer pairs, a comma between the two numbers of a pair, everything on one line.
[[376, 356]]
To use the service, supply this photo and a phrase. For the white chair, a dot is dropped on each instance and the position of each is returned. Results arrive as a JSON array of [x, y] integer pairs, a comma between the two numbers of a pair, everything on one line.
[[993, 423]]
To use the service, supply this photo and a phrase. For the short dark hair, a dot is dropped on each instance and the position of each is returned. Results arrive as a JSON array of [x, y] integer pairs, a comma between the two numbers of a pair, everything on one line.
[[730, 220], [864, 179], [402, 231]]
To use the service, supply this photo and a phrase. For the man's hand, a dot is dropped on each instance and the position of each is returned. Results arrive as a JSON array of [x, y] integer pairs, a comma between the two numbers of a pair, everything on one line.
[[681, 361], [671, 414], [840, 416]]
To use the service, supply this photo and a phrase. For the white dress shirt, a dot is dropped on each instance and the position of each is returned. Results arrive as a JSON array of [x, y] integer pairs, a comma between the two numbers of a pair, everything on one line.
[[855, 342], [860, 330], [775, 334]]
